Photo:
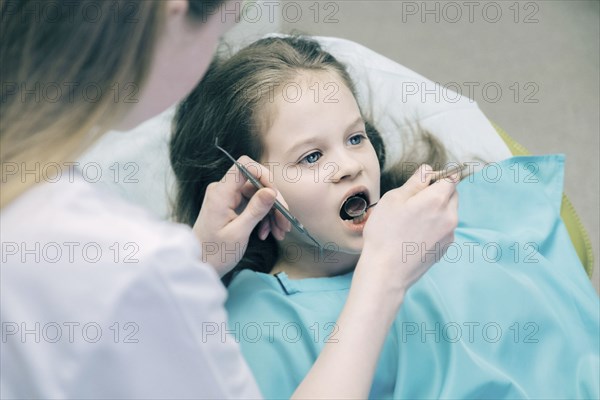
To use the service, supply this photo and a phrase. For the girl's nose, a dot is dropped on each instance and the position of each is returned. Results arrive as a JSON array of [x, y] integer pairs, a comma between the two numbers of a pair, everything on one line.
[[348, 167]]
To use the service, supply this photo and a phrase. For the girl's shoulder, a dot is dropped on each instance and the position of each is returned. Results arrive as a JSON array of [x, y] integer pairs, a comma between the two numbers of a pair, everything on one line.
[[251, 283], [253, 295], [250, 286]]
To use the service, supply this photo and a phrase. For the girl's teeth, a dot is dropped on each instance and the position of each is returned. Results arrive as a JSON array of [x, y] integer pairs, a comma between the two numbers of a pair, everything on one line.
[[359, 219]]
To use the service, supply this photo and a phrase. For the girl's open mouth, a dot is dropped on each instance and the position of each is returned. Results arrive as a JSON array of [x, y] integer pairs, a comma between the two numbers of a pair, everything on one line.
[[354, 209], [357, 225]]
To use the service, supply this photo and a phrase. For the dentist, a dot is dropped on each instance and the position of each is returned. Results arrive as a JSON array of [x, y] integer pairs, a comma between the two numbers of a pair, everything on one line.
[[100, 300]]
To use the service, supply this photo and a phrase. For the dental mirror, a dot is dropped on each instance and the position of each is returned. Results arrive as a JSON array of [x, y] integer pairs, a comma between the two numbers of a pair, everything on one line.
[[356, 206]]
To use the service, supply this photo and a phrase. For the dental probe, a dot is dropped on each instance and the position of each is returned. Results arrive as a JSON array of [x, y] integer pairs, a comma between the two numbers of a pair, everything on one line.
[[277, 204]]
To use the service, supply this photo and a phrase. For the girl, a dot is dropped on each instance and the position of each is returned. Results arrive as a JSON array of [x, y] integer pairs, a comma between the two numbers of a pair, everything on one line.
[[285, 295]]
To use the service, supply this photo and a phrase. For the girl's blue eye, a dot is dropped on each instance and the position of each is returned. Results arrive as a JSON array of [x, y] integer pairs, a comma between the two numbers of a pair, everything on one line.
[[311, 158], [356, 139]]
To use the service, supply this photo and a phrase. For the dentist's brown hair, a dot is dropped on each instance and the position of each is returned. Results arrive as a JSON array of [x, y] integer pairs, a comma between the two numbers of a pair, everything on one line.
[[67, 69]]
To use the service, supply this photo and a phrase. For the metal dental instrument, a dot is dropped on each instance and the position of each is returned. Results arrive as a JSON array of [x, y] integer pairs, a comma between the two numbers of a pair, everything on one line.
[[277, 204], [357, 206], [439, 175]]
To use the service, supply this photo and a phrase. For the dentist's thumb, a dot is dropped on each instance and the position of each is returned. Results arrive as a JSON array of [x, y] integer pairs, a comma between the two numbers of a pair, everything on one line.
[[257, 208], [417, 182]]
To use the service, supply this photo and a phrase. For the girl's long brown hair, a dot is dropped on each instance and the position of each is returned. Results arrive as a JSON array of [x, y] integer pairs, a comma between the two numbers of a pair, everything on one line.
[[68, 69], [230, 104]]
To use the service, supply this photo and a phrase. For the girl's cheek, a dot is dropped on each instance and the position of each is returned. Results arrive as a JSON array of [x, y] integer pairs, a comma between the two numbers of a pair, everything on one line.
[[288, 188], [302, 188], [302, 193]]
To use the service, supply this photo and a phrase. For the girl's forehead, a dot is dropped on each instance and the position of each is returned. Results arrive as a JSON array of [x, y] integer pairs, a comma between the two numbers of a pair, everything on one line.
[[314, 114], [309, 89], [314, 83]]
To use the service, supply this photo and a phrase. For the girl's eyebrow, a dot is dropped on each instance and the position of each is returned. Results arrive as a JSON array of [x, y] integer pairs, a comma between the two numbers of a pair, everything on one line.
[[301, 144], [357, 121], [313, 140]]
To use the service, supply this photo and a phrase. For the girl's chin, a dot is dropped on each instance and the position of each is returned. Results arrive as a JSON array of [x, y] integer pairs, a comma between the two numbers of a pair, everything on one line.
[[342, 241], [350, 246]]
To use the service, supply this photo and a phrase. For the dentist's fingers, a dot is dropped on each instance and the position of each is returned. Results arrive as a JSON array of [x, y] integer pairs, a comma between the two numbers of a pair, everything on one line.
[[263, 229], [275, 229], [279, 221], [228, 216], [440, 192], [262, 174], [257, 208], [416, 183], [268, 225], [453, 202]]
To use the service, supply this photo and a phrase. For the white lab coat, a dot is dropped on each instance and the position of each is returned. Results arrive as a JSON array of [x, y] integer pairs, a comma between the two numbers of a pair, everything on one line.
[[100, 300]]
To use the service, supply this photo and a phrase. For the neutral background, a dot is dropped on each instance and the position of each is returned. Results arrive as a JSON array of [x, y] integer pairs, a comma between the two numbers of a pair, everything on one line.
[[542, 55]]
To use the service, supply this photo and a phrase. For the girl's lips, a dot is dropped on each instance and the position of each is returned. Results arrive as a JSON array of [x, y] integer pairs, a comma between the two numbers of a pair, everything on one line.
[[357, 227]]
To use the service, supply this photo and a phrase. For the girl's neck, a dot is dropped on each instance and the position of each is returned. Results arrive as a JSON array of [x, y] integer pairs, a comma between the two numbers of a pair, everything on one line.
[[305, 261]]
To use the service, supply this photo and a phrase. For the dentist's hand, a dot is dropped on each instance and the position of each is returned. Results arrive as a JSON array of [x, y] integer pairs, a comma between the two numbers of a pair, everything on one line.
[[409, 223], [230, 211], [416, 214]]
